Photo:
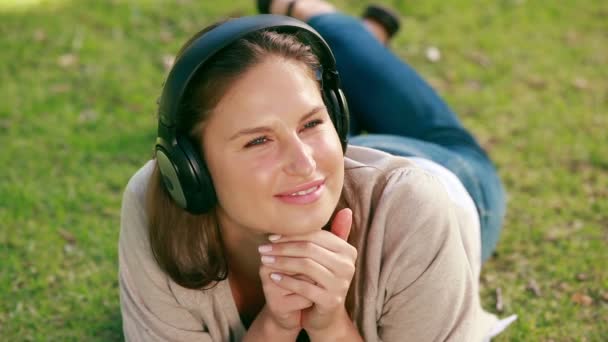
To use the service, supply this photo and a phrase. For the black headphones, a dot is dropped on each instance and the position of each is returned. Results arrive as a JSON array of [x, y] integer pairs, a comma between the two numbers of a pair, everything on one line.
[[184, 172]]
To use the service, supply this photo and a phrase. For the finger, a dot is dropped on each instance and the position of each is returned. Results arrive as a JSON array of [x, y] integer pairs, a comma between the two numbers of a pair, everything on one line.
[[301, 277], [271, 290], [338, 263], [312, 269], [283, 305], [297, 302], [342, 223], [282, 301], [322, 299], [265, 276], [322, 238]]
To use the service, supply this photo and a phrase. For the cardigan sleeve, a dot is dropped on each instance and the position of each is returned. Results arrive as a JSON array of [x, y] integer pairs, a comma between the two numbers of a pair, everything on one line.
[[429, 290], [150, 311]]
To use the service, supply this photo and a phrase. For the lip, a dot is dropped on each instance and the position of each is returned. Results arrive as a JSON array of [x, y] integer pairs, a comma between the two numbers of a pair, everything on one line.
[[308, 198], [302, 187]]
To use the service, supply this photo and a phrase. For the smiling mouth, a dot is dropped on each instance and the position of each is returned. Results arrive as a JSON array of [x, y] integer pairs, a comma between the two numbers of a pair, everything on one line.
[[304, 192], [303, 189], [307, 193]]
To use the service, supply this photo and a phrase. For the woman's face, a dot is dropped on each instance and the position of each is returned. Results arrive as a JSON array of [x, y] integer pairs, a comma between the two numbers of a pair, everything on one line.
[[273, 153]]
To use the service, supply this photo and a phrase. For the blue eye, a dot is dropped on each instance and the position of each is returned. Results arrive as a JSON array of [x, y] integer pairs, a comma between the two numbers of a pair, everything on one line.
[[313, 123], [257, 141]]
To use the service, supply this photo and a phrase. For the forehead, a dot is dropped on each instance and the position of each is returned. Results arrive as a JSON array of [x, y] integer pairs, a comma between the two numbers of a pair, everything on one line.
[[273, 73], [276, 85]]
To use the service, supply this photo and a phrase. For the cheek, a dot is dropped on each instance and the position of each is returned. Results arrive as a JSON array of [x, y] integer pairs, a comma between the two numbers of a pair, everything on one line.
[[329, 150], [247, 177]]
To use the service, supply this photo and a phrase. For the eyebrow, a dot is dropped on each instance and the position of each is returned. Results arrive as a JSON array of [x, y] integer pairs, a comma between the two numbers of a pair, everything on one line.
[[262, 129]]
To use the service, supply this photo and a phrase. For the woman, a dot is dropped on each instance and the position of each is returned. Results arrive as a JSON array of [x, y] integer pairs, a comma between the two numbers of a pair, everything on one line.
[[295, 238]]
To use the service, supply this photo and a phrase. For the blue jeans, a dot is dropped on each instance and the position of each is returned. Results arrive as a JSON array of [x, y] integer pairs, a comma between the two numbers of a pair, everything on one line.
[[404, 116]]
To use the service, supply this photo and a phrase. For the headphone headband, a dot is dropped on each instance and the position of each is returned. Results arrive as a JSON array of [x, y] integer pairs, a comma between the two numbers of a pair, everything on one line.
[[207, 45]]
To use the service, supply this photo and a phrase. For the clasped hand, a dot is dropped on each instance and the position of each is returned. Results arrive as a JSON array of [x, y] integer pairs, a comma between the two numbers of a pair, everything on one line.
[[306, 277]]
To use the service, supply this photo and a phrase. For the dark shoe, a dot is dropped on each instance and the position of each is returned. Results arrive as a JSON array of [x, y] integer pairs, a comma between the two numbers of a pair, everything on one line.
[[264, 7], [383, 16]]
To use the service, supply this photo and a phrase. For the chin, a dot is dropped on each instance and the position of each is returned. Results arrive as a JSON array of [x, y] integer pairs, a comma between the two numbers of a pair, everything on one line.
[[304, 220]]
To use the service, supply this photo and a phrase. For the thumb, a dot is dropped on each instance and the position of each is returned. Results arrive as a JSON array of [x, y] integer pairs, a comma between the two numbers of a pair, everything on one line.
[[341, 224]]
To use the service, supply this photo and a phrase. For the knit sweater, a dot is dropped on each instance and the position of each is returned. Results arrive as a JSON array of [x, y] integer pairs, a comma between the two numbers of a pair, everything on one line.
[[416, 273]]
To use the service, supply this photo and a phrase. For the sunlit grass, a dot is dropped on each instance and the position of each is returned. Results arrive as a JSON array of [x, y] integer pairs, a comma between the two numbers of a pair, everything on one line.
[[78, 84], [20, 5]]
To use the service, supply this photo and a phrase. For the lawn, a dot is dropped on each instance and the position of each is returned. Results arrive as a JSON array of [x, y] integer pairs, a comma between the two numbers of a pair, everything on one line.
[[79, 82]]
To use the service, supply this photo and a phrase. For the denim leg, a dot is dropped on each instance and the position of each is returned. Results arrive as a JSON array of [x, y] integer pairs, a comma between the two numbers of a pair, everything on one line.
[[407, 117], [385, 94]]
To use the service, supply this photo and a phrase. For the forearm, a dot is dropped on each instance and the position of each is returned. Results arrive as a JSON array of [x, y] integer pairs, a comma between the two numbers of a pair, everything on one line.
[[265, 329]]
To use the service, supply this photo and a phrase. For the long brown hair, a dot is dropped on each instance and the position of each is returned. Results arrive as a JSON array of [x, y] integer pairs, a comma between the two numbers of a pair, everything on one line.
[[189, 247]]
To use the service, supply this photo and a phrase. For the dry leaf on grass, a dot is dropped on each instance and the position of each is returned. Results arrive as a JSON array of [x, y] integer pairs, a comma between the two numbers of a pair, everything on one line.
[[67, 236], [88, 115], [533, 287], [572, 38], [165, 36], [474, 85], [39, 35], [536, 82], [499, 303], [580, 83], [582, 299], [553, 235], [68, 248], [480, 59], [5, 124], [433, 54], [60, 88], [67, 60]]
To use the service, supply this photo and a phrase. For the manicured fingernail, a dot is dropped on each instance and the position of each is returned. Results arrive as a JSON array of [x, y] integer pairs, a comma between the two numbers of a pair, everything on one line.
[[275, 276], [265, 248], [274, 237], [267, 259]]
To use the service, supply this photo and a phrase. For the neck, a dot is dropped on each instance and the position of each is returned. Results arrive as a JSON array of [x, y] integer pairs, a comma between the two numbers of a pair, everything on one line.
[[241, 248]]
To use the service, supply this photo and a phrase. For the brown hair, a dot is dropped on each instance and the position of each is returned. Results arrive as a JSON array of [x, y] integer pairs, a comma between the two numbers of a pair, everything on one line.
[[189, 247]]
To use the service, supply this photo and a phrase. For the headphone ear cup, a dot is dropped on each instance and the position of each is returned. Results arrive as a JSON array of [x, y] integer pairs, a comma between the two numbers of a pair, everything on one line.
[[338, 113], [170, 173], [344, 114], [196, 181], [185, 176]]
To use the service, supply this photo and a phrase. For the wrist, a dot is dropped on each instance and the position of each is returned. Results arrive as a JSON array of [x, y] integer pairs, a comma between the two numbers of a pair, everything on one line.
[[265, 328], [341, 329], [277, 332]]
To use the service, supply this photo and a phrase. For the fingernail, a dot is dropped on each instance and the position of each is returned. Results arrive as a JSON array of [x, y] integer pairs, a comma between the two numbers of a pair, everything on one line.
[[275, 276], [274, 237], [267, 259], [265, 248]]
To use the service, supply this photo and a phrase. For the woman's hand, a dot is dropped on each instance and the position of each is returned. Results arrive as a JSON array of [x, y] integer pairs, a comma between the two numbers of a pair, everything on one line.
[[318, 267], [283, 307]]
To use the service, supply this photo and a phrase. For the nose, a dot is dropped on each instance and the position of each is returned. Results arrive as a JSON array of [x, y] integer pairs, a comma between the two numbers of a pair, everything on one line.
[[299, 158]]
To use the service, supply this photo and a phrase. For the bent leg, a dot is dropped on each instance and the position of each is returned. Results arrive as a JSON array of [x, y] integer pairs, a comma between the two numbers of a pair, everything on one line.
[[386, 95]]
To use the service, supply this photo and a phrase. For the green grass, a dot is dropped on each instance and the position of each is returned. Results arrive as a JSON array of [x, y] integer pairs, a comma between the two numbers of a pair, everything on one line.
[[79, 81]]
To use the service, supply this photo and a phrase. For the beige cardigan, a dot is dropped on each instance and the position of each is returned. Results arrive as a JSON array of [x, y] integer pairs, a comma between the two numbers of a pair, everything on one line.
[[417, 267]]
